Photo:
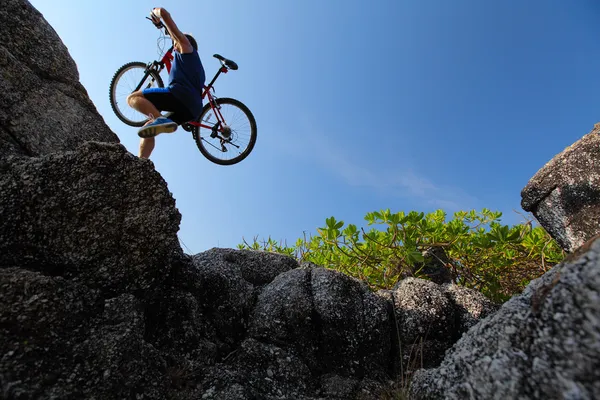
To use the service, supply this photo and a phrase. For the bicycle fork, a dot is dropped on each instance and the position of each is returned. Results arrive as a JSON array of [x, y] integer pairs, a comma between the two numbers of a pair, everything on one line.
[[150, 67]]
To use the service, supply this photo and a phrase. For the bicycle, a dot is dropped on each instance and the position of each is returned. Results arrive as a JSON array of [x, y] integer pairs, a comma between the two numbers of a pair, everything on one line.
[[225, 125]]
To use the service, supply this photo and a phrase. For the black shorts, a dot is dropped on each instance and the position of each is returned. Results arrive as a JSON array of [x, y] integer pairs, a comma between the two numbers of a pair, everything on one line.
[[164, 100]]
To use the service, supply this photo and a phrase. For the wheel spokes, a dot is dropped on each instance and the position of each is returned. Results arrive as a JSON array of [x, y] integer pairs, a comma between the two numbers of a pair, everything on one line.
[[126, 84], [239, 139]]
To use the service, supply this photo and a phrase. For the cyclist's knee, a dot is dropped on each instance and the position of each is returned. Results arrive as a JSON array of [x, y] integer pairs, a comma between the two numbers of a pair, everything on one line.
[[134, 96]]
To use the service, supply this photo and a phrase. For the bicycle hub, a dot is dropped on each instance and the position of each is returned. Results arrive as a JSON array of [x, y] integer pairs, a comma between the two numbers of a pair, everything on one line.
[[226, 133]]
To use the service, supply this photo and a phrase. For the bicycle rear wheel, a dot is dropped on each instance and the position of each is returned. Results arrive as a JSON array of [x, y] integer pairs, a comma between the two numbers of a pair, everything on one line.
[[129, 78], [232, 135]]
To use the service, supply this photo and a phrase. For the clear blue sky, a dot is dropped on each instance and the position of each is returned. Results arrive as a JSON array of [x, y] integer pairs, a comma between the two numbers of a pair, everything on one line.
[[360, 105]]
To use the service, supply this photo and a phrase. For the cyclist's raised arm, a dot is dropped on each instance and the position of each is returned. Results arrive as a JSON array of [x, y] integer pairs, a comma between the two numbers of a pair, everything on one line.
[[174, 31]]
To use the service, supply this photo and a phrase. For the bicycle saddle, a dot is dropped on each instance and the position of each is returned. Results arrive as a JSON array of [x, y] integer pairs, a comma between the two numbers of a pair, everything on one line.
[[228, 63]]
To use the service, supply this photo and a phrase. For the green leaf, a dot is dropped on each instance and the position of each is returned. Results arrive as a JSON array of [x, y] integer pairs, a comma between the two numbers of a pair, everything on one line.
[[352, 228], [416, 257], [513, 236], [330, 222]]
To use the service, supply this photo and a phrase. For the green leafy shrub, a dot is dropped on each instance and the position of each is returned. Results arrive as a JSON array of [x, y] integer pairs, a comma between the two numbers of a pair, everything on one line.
[[474, 248]]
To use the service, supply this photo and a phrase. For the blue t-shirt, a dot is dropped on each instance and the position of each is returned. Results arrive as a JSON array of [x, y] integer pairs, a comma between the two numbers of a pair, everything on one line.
[[186, 80]]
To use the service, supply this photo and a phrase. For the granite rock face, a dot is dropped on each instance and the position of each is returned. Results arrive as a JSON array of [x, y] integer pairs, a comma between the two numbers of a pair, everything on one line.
[[327, 318], [98, 214], [564, 195], [542, 344], [43, 106], [430, 318], [97, 299]]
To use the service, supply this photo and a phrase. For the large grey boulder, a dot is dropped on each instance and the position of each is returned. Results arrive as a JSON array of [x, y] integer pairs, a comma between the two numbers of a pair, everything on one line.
[[43, 106], [426, 322], [564, 195], [470, 306], [331, 321], [98, 213], [542, 344], [430, 318]]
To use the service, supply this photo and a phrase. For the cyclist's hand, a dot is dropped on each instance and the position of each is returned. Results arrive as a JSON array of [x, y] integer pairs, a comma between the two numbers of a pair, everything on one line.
[[155, 18], [157, 12]]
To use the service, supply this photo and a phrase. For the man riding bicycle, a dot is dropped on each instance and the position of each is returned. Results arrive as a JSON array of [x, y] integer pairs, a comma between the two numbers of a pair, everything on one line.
[[183, 95]]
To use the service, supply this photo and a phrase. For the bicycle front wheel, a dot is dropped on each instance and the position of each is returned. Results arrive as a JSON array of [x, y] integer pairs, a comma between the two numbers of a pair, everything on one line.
[[129, 78], [228, 133]]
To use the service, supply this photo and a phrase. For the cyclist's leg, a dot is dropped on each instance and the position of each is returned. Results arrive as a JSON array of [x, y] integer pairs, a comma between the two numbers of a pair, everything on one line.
[[163, 100], [152, 101], [146, 147], [140, 103]]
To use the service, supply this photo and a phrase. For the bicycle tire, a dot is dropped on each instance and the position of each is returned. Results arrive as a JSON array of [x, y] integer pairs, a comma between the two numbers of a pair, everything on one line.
[[136, 119], [236, 136]]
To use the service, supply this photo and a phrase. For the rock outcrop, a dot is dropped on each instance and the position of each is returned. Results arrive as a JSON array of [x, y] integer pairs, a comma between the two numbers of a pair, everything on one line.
[[564, 195], [98, 214], [43, 106], [430, 318], [542, 344], [98, 300]]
